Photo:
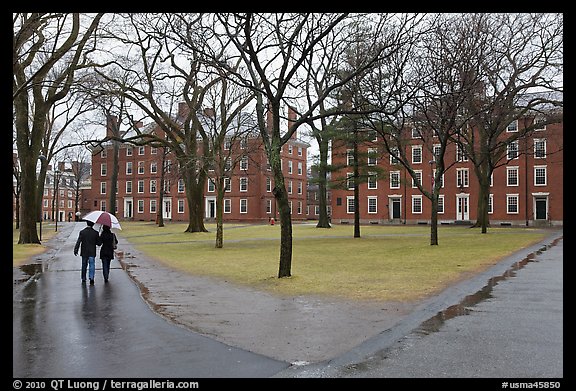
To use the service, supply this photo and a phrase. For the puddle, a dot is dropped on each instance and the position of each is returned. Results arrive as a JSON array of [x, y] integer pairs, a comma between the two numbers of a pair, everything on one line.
[[463, 308]]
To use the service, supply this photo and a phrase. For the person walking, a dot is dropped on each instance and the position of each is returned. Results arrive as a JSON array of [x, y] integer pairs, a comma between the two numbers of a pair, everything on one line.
[[87, 241], [109, 241]]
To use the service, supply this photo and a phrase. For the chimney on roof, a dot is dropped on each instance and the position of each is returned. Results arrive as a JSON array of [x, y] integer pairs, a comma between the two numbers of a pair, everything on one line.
[[210, 112], [111, 125], [291, 119], [183, 109]]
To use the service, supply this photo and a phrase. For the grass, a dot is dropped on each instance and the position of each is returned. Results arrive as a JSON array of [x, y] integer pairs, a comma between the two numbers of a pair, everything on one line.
[[387, 263], [23, 253]]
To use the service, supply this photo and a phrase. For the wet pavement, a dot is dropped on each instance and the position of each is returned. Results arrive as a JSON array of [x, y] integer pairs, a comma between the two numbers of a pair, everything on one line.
[[65, 329], [504, 322], [510, 328]]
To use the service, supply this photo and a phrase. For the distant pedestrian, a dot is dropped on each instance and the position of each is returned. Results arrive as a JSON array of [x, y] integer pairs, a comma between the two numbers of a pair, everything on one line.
[[87, 241], [109, 242]]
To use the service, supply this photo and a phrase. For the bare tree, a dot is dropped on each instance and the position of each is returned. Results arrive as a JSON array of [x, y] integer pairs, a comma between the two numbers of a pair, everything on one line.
[[48, 50], [274, 50], [521, 77]]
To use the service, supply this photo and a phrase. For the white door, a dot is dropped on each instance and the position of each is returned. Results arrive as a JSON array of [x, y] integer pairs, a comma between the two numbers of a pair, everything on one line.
[[462, 207], [210, 207], [128, 208], [167, 208]]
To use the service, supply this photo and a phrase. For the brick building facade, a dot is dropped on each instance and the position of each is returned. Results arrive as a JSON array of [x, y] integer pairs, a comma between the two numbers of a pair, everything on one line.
[[527, 190], [248, 196]]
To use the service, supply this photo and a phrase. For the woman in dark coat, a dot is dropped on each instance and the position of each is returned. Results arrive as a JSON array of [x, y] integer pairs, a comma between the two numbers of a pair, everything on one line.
[[107, 250]]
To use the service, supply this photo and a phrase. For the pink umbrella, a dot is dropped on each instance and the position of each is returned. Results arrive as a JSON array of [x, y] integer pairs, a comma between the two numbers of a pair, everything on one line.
[[104, 218]]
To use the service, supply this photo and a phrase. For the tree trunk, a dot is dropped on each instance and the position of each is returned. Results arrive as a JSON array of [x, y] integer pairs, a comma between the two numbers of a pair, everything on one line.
[[356, 188], [220, 214], [323, 218], [195, 195], [434, 219], [28, 205], [483, 175], [281, 195]]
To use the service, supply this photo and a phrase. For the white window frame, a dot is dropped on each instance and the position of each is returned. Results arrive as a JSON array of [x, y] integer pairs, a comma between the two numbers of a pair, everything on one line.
[[375, 206], [417, 201], [516, 177], [509, 198], [416, 157], [545, 170], [350, 204]]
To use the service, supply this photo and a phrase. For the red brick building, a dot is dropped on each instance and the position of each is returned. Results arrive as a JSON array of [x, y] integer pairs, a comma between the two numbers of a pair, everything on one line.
[[248, 195], [528, 190]]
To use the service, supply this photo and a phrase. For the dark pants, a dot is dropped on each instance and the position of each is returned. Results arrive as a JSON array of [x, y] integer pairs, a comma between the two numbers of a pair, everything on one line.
[[106, 268]]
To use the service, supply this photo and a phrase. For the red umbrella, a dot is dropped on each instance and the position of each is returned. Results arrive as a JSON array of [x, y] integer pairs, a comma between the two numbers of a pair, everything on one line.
[[104, 218]]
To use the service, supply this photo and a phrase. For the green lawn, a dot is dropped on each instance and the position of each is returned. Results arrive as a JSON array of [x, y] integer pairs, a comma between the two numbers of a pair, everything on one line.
[[22, 253], [386, 263]]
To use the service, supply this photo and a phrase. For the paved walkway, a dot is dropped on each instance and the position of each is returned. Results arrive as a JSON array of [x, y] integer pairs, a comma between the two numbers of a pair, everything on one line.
[[320, 338]]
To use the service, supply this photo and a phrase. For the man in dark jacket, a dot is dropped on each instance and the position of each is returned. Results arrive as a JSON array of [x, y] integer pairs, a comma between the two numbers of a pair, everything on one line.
[[88, 238]]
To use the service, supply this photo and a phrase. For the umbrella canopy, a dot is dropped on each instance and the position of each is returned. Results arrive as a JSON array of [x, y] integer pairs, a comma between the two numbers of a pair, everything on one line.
[[104, 218]]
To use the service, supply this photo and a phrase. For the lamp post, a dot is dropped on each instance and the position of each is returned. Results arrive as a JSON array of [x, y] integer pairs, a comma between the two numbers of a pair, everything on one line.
[[56, 190]]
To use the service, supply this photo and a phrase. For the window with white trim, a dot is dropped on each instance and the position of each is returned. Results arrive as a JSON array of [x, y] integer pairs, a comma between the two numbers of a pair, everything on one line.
[[180, 185], [462, 177], [350, 157], [227, 205], [128, 168], [289, 187], [394, 179], [461, 154], [268, 206], [490, 203], [140, 186], [152, 185], [512, 150], [512, 203], [128, 151], [372, 181], [372, 205], [512, 176], [393, 153], [513, 126], [540, 176], [372, 156], [102, 187], [103, 169], [140, 167], [140, 208], [128, 187], [141, 150], [299, 187], [350, 204], [153, 204], [268, 184], [540, 123], [416, 204], [416, 154], [440, 204], [350, 181], [153, 168], [243, 184], [417, 178], [244, 163], [539, 148], [441, 178], [289, 166], [211, 186], [227, 184], [181, 205], [243, 205]]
